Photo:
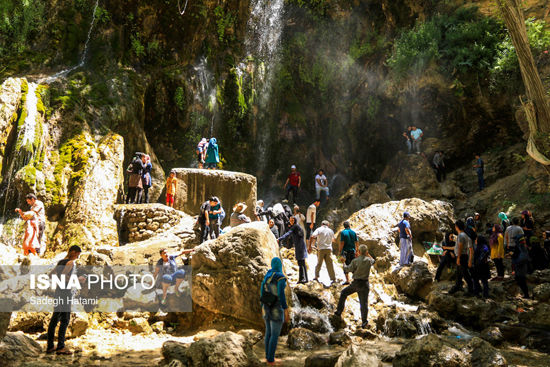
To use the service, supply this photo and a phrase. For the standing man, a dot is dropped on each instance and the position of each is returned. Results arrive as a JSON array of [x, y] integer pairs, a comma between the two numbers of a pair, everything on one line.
[[293, 182], [360, 267], [37, 207], [464, 252], [213, 221], [321, 184], [405, 240], [62, 312], [203, 219], [479, 166], [311, 216], [408, 141], [348, 247], [511, 234], [439, 166], [324, 237], [416, 136]]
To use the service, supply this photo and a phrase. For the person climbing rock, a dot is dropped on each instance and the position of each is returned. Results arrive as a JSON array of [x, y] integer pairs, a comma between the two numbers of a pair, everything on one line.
[[405, 240], [464, 253], [171, 188], [321, 184], [496, 242], [311, 217], [201, 152], [273, 228], [448, 258], [135, 184], [348, 247], [481, 271], [62, 311], [360, 267], [439, 166], [323, 237], [213, 220], [299, 248], [480, 170], [146, 179], [30, 237], [274, 307], [408, 139], [167, 272], [212, 154], [416, 136], [292, 184], [238, 217]]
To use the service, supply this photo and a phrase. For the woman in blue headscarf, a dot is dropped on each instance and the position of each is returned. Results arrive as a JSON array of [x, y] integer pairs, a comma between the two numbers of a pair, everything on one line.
[[212, 154], [275, 309]]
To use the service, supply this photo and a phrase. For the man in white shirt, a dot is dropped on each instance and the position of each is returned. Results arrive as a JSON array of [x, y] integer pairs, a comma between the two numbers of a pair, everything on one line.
[[321, 184], [311, 216], [324, 237], [37, 207]]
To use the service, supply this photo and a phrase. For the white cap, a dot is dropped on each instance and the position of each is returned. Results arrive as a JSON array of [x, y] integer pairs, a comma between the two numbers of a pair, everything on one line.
[[293, 167]]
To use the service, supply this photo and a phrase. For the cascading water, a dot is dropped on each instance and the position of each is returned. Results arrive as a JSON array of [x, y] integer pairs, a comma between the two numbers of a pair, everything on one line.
[[304, 316], [29, 126], [206, 87]]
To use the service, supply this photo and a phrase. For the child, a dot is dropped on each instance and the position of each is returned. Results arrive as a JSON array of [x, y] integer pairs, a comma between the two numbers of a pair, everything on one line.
[[171, 185], [30, 238]]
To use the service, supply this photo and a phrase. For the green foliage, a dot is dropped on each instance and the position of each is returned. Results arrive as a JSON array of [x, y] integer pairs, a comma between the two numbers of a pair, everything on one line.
[[507, 65], [137, 46], [315, 8], [20, 23], [461, 43], [224, 21], [102, 16], [179, 98]]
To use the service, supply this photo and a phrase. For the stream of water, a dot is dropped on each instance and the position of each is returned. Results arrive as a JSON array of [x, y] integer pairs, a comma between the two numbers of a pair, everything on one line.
[[206, 87]]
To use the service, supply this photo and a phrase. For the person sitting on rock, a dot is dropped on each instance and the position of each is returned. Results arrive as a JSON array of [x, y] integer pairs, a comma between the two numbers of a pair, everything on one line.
[[321, 184], [171, 187], [167, 273], [274, 307], [464, 253], [299, 248], [348, 247], [448, 258], [30, 238], [146, 179], [481, 272], [212, 154], [416, 136], [273, 228], [360, 267], [405, 240], [213, 221], [238, 217]]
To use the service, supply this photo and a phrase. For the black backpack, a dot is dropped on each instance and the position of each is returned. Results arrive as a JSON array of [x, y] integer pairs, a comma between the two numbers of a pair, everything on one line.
[[267, 298], [202, 212]]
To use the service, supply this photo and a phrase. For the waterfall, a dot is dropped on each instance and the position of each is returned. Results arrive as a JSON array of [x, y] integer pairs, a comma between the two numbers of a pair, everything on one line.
[[265, 27], [63, 73], [305, 316], [424, 327], [29, 126], [206, 88]]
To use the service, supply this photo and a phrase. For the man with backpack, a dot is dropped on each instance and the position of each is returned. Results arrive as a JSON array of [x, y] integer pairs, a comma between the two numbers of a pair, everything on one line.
[[274, 307]]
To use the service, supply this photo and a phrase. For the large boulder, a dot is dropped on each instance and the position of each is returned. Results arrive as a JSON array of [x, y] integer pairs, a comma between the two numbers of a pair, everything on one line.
[[410, 176], [4, 323], [228, 271], [196, 185], [89, 218], [358, 355], [376, 225], [304, 339], [16, 347], [414, 281], [430, 351], [226, 349]]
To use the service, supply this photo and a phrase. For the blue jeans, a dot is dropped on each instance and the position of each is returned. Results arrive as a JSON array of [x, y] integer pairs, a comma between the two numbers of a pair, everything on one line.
[[171, 278], [409, 146], [273, 326]]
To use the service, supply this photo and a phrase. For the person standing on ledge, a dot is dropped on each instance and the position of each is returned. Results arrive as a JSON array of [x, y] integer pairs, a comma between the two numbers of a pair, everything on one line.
[[292, 184], [408, 141], [201, 152], [146, 178], [405, 240], [37, 207], [480, 170], [171, 187], [360, 267], [321, 184], [348, 247], [62, 312], [416, 136], [212, 154]]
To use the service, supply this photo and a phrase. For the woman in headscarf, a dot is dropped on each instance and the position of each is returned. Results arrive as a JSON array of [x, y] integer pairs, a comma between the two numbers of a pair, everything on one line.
[[212, 154], [471, 229], [496, 241], [300, 248], [274, 307], [448, 258], [504, 221], [146, 179]]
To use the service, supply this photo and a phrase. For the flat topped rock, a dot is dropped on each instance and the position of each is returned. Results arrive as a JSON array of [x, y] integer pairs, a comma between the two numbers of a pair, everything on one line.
[[197, 185]]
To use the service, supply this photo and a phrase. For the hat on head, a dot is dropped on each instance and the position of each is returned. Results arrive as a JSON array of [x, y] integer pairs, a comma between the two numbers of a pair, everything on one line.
[[293, 167], [325, 223], [406, 215], [240, 208]]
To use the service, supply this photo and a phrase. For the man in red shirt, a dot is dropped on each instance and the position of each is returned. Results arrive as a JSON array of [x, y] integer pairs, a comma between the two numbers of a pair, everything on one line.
[[293, 183]]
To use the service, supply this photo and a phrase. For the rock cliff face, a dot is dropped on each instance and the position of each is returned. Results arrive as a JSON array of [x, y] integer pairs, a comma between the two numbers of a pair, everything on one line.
[[196, 186]]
